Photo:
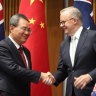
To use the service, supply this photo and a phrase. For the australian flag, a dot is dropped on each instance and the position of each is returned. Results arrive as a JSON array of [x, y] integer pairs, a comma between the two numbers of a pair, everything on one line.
[[2, 32], [85, 6]]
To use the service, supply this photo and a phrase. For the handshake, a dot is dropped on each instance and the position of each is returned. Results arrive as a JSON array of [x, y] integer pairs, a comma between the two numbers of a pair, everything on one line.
[[47, 78]]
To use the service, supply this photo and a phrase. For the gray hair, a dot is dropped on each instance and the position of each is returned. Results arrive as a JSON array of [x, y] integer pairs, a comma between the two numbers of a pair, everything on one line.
[[15, 19], [74, 12]]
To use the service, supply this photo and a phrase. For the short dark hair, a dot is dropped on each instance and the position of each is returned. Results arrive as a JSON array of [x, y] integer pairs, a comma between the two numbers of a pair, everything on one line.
[[15, 19]]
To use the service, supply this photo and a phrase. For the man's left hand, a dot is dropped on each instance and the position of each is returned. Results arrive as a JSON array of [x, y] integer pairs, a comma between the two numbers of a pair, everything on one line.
[[82, 81]]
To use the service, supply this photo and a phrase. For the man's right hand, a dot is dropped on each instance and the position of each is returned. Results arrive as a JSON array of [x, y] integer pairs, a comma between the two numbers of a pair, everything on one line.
[[47, 78]]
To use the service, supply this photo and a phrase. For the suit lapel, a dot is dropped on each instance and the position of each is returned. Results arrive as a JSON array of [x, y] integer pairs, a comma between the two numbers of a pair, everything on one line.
[[81, 42], [67, 50], [15, 53]]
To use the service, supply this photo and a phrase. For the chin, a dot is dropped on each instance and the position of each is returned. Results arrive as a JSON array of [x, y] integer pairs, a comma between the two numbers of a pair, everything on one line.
[[23, 42], [66, 32]]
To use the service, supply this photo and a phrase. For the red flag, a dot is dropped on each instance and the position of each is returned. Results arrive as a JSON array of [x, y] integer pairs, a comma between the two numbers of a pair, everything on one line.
[[2, 31], [37, 42]]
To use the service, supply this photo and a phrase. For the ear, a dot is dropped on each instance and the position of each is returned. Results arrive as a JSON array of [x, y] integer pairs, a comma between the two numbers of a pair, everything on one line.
[[75, 20], [11, 28]]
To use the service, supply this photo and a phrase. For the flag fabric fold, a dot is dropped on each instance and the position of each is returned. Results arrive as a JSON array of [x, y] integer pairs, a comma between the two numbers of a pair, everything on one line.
[[2, 33], [37, 42], [85, 6]]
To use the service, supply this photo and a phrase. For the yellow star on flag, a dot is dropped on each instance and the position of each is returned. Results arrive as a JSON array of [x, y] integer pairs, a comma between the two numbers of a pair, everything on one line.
[[42, 25], [32, 21], [31, 1], [41, 1]]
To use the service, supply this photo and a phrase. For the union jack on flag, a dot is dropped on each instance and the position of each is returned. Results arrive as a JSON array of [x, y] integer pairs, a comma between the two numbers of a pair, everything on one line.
[[2, 33], [85, 6]]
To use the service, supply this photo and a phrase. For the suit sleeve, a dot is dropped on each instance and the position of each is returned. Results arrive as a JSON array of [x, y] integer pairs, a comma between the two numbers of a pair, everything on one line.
[[61, 73], [12, 69], [93, 72]]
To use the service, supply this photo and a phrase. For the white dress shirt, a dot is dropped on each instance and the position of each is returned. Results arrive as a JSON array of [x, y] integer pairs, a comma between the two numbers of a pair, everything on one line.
[[73, 44]]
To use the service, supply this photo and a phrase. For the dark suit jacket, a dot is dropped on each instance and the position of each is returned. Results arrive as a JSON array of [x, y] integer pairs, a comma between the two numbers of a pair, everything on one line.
[[14, 77], [85, 63]]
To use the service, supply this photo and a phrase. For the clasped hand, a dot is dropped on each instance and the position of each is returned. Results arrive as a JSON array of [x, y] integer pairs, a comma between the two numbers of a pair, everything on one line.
[[47, 78]]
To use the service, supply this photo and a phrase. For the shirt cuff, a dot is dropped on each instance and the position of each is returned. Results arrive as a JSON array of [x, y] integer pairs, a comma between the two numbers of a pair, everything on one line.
[[90, 77]]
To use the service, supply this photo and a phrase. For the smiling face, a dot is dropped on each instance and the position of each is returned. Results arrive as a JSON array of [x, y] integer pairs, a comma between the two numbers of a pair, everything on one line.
[[70, 20], [67, 23], [21, 32]]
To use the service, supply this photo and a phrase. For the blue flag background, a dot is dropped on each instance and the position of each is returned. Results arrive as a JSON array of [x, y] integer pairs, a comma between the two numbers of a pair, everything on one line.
[[2, 33], [85, 6]]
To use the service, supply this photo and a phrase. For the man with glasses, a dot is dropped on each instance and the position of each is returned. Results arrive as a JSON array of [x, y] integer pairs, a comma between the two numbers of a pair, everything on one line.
[[77, 60], [15, 60]]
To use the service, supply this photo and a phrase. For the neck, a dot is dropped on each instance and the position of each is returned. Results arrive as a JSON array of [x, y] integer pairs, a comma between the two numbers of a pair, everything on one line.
[[15, 40], [74, 30]]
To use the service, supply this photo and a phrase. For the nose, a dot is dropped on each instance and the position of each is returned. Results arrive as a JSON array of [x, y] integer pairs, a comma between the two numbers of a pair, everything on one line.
[[27, 33], [61, 25]]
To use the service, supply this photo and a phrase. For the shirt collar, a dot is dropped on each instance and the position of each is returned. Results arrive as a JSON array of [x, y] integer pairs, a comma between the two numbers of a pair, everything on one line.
[[16, 44], [77, 34]]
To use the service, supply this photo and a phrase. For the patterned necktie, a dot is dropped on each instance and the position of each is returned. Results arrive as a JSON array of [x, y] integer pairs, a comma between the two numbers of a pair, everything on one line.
[[22, 55]]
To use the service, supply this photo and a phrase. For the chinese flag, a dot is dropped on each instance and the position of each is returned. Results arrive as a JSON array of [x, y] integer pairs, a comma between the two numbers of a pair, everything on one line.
[[37, 42]]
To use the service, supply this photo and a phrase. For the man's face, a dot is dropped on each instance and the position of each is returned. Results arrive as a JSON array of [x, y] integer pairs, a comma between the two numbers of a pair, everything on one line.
[[20, 33], [66, 23]]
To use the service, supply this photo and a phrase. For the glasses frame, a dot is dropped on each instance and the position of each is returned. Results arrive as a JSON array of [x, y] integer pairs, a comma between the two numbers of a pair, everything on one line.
[[26, 29], [63, 22]]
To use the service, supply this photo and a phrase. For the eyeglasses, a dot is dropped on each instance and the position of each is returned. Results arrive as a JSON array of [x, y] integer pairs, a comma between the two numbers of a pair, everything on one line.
[[63, 22], [26, 29]]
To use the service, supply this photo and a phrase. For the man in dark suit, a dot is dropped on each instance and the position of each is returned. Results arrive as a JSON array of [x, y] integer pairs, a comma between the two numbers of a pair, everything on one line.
[[77, 59], [15, 76]]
